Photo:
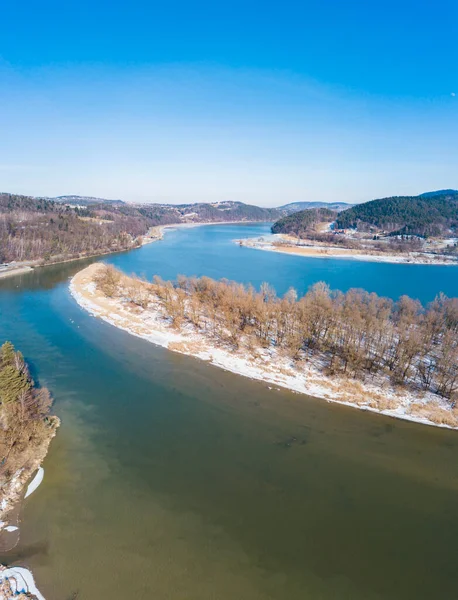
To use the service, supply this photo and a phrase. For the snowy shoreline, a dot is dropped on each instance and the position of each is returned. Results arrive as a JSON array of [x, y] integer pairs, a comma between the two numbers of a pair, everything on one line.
[[329, 252], [16, 580], [268, 366]]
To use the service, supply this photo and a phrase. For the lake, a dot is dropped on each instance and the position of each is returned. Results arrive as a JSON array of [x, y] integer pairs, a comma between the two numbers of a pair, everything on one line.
[[172, 479]]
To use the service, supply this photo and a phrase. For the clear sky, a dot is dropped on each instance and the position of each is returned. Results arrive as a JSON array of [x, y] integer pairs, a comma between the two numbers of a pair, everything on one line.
[[260, 102]]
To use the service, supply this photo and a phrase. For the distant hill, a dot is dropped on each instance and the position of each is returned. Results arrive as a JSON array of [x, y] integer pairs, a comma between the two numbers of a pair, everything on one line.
[[299, 223], [84, 200], [439, 193], [207, 212], [298, 206], [425, 215]]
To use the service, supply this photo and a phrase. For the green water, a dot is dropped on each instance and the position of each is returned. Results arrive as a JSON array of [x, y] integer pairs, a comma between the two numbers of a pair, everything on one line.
[[171, 479]]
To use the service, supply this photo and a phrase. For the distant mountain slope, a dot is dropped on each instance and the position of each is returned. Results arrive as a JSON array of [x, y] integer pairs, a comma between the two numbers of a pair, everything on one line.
[[419, 215], [207, 213], [300, 222], [84, 200], [213, 210], [439, 193], [298, 206]]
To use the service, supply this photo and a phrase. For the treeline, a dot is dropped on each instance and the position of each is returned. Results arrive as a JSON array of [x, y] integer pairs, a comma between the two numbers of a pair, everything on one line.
[[390, 245], [25, 423], [404, 215], [202, 212], [302, 223], [45, 230], [227, 211], [355, 333]]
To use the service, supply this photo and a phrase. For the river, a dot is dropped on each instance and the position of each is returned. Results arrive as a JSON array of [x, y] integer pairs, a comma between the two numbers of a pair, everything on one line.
[[171, 479]]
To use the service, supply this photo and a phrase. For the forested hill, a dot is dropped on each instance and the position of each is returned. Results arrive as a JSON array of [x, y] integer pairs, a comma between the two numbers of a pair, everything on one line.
[[299, 223], [298, 206], [209, 212], [41, 229], [426, 215], [438, 193]]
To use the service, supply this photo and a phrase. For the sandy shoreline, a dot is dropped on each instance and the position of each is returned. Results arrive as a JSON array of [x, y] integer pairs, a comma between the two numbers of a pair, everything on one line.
[[341, 253], [265, 365]]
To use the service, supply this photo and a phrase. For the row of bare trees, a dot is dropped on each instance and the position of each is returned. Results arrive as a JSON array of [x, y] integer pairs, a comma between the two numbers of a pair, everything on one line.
[[356, 333]]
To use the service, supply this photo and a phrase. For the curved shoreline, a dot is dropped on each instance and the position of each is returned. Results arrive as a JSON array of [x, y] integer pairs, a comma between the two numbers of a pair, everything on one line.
[[267, 366], [323, 252], [155, 234], [17, 580]]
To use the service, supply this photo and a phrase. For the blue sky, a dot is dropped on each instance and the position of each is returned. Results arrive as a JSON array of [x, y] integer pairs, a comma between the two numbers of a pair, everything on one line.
[[206, 101]]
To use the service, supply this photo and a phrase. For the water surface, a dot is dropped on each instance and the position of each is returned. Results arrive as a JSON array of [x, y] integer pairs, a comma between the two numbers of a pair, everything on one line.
[[172, 479], [208, 250]]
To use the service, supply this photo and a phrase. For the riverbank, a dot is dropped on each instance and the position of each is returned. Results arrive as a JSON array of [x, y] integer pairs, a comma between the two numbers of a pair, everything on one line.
[[265, 364], [14, 270], [21, 484], [286, 245], [155, 234], [17, 583], [20, 268], [26, 431]]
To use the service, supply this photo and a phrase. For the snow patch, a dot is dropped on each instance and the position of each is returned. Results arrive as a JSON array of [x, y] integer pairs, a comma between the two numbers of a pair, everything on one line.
[[20, 580], [35, 482]]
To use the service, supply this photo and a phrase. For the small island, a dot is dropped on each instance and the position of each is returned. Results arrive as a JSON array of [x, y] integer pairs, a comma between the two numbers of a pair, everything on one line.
[[356, 348]]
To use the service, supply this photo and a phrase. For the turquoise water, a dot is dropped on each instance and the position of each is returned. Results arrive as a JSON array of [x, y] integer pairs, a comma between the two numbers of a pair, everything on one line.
[[171, 479], [208, 251]]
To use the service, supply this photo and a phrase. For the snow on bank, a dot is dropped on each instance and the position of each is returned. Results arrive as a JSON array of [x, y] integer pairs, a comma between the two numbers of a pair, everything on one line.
[[332, 252], [35, 482], [17, 580], [10, 491], [266, 365]]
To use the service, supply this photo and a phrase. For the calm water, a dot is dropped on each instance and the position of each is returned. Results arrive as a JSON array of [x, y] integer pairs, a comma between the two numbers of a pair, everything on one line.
[[170, 479], [209, 251]]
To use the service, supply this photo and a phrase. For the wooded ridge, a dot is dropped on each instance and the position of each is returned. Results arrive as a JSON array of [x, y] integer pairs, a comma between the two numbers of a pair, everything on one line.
[[44, 229]]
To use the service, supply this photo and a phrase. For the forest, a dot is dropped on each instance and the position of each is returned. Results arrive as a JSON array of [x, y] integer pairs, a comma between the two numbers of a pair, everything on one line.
[[426, 215], [301, 223], [45, 230], [49, 231], [25, 421], [355, 334]]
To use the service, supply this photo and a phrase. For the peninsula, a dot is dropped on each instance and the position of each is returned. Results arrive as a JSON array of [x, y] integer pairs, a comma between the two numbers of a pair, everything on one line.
[[413, 229], [26, 431], [355, 348]]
